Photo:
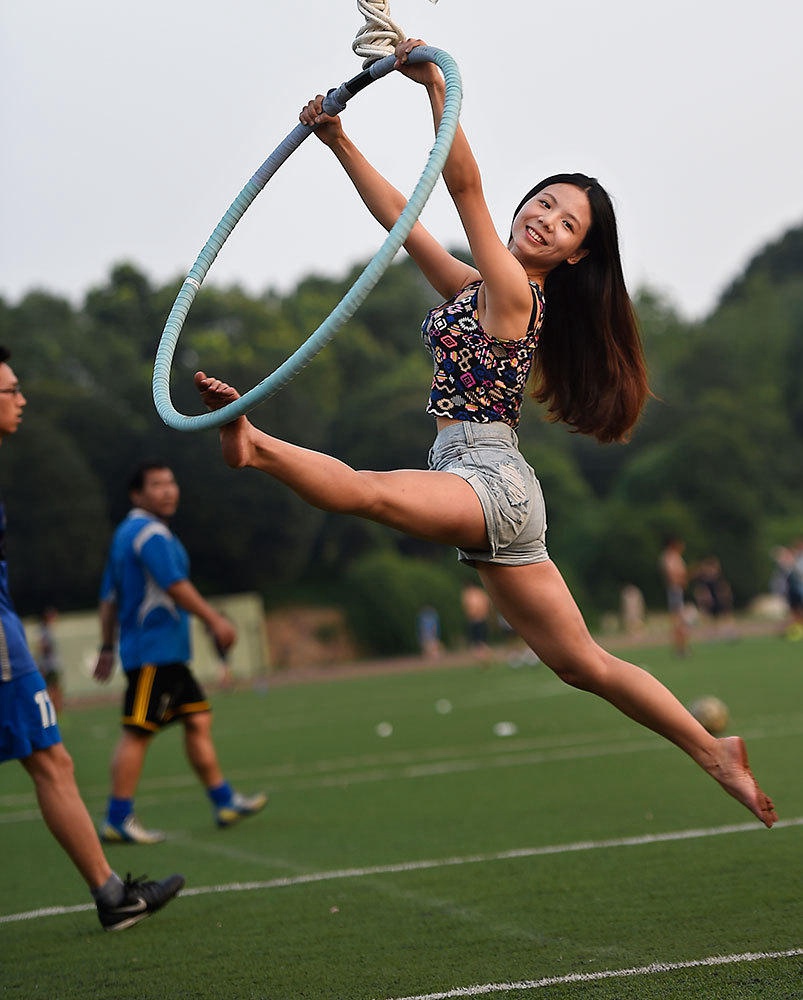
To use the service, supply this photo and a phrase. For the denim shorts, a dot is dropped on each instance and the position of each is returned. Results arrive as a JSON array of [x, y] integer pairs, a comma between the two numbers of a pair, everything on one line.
[[487, 456]]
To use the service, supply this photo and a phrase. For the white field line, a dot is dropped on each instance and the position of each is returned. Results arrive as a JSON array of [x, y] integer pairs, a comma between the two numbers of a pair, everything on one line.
[[652, 969], [513, 758], [425, 764], [426, 864], [387, 759], [389, 765], [325, 774]]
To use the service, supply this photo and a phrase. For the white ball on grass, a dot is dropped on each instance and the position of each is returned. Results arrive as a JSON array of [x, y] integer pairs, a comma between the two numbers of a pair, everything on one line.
[[505, 729]]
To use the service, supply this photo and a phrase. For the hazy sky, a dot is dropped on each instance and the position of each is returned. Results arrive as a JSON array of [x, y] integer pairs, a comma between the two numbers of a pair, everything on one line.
[[127, 130]]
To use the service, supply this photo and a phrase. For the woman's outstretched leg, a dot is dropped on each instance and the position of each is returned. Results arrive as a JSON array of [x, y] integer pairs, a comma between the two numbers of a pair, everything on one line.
[[538, 605], [435, 506]]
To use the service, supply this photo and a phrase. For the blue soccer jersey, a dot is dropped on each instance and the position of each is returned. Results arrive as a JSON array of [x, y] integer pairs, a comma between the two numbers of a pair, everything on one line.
[[15, 657], [144, 560]]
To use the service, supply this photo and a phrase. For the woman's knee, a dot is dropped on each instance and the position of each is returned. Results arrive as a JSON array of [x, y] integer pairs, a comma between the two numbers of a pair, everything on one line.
[[583, 668], [370, 497]]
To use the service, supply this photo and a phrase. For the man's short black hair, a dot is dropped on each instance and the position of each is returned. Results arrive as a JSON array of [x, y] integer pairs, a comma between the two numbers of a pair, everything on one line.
[[137, 479], [5, 354]]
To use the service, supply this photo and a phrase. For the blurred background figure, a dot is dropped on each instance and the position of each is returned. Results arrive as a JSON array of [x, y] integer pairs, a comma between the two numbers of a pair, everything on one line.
[[787, 583], [428, 626], [632, 609], [47, 657], [476, 611], [782, 562], [146, 601], [794, 591], [713, 595], [676, 578]]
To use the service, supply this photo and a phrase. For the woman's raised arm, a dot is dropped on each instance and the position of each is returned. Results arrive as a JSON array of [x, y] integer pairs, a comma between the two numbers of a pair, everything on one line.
[[446, 273], [505, 299]]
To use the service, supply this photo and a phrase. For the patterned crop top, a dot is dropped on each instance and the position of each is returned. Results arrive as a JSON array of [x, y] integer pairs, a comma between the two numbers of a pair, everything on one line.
[[478, 377]]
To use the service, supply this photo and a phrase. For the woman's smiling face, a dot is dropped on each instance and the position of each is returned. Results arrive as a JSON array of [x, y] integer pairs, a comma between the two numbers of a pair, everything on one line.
[[551, 227]]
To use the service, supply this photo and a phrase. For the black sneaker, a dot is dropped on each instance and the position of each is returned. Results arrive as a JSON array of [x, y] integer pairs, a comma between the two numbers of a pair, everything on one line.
[[141, 899]]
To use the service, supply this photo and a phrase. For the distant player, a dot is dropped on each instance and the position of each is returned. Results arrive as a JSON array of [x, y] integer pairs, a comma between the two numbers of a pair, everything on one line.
[[676, 579], [476, 610], [48, 659], [147, 595]]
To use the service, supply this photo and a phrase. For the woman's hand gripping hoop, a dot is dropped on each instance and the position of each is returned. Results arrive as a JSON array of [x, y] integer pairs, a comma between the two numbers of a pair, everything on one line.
[[334, 103]]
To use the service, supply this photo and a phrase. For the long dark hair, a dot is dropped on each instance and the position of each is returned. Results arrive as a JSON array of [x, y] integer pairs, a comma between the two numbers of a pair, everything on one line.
[[589, 368]]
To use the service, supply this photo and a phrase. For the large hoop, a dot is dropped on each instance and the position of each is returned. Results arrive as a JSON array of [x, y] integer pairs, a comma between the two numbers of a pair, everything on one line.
[[334, 103]]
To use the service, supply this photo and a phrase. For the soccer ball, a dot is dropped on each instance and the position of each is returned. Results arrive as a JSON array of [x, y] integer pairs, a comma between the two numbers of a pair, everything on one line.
[[711, 713]]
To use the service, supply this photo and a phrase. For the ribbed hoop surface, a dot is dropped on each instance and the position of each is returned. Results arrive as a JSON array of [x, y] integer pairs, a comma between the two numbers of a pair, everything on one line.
[[334, 102]]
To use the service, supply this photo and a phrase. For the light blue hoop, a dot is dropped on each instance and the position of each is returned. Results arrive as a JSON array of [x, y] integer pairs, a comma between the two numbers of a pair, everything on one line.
[[334, 103]]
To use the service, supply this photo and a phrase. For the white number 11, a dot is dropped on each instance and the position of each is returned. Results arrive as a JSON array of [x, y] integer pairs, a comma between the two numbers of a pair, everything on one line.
[[46, 709]]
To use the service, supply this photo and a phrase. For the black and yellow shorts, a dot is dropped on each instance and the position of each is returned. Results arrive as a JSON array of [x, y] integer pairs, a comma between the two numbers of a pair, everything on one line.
[[159, 695]]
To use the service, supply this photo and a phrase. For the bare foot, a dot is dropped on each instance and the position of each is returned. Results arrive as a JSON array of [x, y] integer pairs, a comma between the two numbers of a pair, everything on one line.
[[214, 393], [235, 438], [733, 772]]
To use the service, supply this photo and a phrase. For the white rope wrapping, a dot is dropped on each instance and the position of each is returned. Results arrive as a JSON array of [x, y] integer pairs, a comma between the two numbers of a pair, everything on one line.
[[379, 35]]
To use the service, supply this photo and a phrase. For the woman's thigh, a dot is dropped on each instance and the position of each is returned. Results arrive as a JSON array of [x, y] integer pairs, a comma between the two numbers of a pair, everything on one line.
[[436, 506], [537, 604]]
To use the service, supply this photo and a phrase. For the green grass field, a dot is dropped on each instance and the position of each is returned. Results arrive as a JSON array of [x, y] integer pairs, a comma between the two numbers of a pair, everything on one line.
[[580, 856]]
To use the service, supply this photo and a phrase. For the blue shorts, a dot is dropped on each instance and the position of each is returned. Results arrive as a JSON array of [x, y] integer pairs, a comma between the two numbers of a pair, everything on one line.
[[487, 456], [27, 717], [675, 599]]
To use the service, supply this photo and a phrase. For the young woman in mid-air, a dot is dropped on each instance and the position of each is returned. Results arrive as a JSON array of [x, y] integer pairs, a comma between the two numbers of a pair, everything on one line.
[[551, 299]]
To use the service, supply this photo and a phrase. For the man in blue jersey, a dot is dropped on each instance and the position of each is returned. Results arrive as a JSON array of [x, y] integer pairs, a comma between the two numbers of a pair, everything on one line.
[[29, 733], [147, 595]]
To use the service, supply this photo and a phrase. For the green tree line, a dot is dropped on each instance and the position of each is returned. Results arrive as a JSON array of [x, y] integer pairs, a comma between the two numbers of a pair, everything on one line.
[[717, 458]]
